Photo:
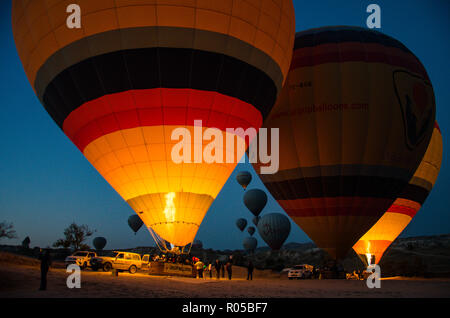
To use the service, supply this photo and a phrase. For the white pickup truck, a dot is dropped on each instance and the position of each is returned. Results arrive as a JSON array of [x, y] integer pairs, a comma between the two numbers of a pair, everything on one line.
[[81, 258], [123, 261], [300, 271]]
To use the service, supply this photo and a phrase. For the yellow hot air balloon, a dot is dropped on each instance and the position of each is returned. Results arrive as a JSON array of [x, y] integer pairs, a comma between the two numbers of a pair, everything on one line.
[[374, 243], [355, 118], [137, 70]]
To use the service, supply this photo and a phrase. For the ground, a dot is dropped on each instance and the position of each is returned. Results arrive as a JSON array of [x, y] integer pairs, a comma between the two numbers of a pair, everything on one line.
[[19, 280]]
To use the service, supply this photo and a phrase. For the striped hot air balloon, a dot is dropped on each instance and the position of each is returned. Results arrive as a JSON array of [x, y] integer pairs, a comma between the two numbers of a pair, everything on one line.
[[136, 70], [375, 242], [355, 118]]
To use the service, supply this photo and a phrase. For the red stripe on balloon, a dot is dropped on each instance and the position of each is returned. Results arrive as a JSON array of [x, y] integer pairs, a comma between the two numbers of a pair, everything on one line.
[[355, 52], [335, 211], [154, 107], [402, 210], [335, 206], [437, 127]]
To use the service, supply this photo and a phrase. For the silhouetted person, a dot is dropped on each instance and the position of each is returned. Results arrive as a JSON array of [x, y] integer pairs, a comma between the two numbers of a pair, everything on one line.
[[250, 268], [229, 269], [45, 264], [217, 266], [222, 269]]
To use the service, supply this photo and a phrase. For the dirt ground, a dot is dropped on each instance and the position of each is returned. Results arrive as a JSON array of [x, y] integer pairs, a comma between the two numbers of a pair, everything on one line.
[[19, 280]]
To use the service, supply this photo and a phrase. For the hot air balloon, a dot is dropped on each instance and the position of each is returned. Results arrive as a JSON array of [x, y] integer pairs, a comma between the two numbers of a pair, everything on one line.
[[244, 178], [251, 230], [355, 118], [99, 243], [255, 200], [255, 220], [135, 223], [375, 242], [274, 228], [241, 224], [250, 244], [121, 85]]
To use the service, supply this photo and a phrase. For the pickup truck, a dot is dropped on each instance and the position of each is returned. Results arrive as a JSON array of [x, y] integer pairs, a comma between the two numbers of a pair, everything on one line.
[[300, 271], [81, 258], [119, 260]]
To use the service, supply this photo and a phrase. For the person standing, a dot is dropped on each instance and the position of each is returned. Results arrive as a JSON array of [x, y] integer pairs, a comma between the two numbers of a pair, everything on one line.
[[45, 265], [217, 266], [199, 267], [229, 269], [210, 270], [222, 269], [250, 268]]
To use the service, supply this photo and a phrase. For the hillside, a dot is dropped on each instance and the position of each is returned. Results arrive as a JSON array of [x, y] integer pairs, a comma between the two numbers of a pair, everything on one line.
[[425, 256]]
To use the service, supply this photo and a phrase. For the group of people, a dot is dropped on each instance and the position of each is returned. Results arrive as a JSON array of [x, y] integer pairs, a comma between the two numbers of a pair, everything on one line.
[[219, 268]]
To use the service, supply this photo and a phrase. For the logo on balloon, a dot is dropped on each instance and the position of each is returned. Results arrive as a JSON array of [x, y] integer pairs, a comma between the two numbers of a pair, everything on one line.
[[415, 96]]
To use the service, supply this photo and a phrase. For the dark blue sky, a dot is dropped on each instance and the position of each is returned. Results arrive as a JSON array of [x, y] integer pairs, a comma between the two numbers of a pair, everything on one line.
[[46, 183]]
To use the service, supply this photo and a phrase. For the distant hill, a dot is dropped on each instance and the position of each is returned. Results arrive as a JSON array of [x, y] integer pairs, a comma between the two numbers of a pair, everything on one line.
[[425, 256]]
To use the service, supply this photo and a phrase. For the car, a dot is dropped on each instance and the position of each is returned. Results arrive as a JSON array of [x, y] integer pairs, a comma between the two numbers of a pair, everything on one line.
[[124, 261], [300, 271], [80, 258]]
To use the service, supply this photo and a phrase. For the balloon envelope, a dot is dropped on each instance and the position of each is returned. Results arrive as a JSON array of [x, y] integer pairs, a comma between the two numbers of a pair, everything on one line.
[[135, 222], [274, 228], [244, 178], [255, 200], [250, 244], [355, 118], [241, 224], [400, 213], [255, 220], [99, 243], [136, 75], [251, 230]]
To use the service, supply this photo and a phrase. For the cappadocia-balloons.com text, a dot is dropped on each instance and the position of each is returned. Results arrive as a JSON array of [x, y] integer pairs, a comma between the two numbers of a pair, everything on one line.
[[213, 145]]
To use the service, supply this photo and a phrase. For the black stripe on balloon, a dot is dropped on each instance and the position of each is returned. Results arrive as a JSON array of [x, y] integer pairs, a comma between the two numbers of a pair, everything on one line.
[[148, 68], [324, 36], [415, 193], [336, 186]]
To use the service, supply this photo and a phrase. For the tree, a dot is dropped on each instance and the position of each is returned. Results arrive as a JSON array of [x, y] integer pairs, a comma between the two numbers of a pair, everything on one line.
[[26, 243], [75, 235], [7, 230]]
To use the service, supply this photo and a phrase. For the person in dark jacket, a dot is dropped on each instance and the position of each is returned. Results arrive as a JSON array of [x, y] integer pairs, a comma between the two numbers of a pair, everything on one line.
[[222, 269], [217, 266], [45, 265], [229, 269], [250, 268]]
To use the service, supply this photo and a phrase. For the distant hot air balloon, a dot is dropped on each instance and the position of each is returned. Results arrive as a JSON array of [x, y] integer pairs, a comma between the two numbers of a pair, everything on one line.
[[355, 118], [135, 223], [255, 200], [99, 243], [274, 228], [241, 224], [375, 242], [244, 178], [255, 220], [251, 230], [123, 85], [250, 244]]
